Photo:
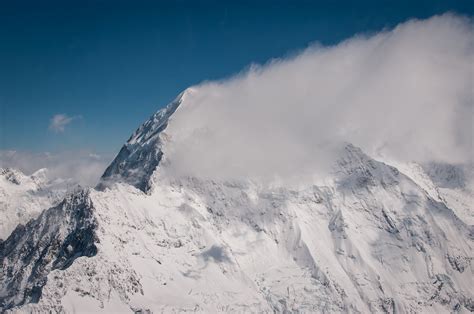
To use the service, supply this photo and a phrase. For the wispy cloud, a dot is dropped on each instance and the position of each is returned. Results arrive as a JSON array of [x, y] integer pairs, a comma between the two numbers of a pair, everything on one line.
[[59, 122]]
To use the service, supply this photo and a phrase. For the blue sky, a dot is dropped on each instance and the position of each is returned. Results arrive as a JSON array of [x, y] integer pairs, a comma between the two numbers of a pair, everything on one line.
[[108, 65]]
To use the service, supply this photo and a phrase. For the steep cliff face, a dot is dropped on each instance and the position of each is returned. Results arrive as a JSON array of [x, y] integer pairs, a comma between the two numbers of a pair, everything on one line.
[[52, 241], [139, 157]]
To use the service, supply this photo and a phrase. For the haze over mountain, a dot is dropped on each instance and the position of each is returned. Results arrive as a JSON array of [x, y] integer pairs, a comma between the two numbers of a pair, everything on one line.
[[339, 180]]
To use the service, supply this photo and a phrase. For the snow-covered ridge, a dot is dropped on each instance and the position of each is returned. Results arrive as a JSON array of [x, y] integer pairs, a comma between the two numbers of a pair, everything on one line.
[[370, 240], [452, 185]]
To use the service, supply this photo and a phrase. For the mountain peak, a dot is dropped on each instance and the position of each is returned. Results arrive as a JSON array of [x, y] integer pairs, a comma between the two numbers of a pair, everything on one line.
[[141, 154]]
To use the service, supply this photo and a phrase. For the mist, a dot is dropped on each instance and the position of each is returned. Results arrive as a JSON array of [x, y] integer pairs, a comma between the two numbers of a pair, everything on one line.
[[84, 168], [404, 93]]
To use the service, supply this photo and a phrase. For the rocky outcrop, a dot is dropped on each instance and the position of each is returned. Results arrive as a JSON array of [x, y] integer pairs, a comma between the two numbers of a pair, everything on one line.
[[139, 157], [52, 241]]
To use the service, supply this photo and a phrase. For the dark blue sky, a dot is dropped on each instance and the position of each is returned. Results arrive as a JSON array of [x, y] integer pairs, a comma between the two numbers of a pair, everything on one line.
[[114, 63]]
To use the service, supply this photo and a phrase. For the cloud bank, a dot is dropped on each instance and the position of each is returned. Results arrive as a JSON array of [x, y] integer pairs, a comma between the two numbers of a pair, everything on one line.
[[82, 167], [405, 93], [59, 122]]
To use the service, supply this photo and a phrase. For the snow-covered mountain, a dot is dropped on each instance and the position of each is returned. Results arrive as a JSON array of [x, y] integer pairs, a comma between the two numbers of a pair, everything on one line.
[[23, 197], [369, 236]]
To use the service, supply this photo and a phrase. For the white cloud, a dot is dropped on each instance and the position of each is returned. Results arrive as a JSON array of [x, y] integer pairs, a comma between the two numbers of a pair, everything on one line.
[[404, 93], [59, 121], [83, 167]]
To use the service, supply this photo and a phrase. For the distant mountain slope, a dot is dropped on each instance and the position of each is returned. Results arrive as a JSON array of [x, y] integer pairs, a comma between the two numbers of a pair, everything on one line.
[[23, 197]]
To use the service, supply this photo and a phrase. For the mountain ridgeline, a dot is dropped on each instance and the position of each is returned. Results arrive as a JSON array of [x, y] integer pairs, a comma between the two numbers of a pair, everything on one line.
[[371, 237]]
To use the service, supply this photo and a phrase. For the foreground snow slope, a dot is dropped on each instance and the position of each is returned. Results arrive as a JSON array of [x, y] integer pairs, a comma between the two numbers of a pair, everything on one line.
[[369, 239], [23, 197]]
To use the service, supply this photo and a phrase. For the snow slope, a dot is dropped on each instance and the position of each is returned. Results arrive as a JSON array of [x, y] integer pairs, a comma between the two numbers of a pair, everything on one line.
[[368, 237], [451, 184]]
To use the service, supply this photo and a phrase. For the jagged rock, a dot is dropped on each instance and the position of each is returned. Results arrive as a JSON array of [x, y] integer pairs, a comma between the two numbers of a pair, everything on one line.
[[139, 157], [52, 241]]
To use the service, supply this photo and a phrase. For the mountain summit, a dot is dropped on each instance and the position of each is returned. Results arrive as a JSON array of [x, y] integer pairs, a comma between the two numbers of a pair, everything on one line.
[[369, 236], [139, 157]]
